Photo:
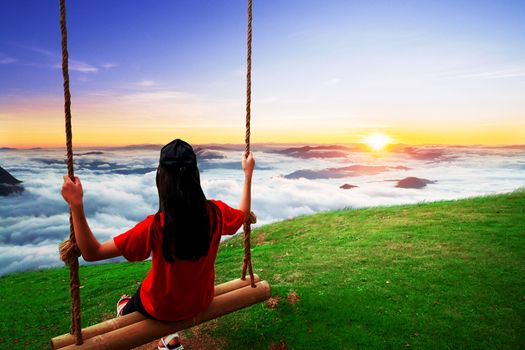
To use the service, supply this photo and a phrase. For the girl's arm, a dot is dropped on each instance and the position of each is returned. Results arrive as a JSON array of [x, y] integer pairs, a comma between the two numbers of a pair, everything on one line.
[[248, 163], [90, 247]]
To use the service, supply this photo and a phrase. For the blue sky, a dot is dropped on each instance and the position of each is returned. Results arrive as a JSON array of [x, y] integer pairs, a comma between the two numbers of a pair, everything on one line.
[[322, 70]]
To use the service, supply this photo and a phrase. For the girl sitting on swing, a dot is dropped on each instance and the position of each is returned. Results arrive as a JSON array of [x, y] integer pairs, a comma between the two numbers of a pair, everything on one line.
[[182, 238]]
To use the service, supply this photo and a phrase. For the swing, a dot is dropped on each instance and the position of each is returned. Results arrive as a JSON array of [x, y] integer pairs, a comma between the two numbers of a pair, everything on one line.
[[135, 329]]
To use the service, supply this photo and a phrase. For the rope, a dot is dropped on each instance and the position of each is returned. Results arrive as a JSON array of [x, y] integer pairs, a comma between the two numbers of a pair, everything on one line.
[[69, 251], [247, 262]]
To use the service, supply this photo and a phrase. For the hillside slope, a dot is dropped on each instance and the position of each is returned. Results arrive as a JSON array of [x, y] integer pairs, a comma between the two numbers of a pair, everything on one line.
[[429, 276]]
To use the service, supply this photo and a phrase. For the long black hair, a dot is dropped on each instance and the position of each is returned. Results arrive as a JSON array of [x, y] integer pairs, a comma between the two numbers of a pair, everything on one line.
[[186, 234]]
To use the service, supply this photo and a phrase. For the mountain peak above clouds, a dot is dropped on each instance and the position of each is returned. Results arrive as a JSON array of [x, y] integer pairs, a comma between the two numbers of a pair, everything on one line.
[[9, 184], [413, 182]]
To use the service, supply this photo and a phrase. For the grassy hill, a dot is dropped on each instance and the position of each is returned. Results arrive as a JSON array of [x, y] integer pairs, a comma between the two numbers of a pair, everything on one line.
[[444, 275]]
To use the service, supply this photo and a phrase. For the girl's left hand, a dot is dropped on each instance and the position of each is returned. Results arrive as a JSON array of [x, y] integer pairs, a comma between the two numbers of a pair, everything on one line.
[[72, 191]]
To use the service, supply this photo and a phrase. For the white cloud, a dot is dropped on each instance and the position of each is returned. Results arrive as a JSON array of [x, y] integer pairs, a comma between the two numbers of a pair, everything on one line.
[[505, 73], [74, 65], [146, 83], [82, 67], [7, 60], [27, 257], [500, 74], [155, 96], [32, 224], [109, 65], [33, 229], [331, 82]]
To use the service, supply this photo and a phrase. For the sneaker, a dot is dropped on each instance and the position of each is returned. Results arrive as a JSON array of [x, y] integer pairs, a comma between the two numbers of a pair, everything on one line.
[[121, 303], [165, 343]]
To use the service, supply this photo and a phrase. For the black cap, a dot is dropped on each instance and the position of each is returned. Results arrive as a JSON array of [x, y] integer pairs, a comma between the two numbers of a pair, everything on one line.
[[177, 154]]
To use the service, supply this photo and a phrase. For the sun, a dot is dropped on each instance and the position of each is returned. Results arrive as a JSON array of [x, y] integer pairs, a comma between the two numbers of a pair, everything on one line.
[[377, 141]]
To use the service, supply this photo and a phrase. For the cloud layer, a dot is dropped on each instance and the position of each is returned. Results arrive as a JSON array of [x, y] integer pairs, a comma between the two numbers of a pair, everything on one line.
[[119, 186]]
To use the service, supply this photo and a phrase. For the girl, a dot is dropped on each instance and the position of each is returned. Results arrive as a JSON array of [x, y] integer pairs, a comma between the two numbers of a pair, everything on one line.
[[182, 238]]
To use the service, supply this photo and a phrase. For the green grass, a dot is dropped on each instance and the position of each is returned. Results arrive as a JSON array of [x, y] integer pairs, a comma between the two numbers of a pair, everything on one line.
[[444, 275]]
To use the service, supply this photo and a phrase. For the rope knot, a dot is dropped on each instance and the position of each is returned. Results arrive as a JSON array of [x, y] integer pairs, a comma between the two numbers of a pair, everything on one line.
[[252, 218], [69, 251]]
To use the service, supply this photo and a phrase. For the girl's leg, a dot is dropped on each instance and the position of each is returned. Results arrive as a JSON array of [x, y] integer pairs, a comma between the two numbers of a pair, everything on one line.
[[127, 305]]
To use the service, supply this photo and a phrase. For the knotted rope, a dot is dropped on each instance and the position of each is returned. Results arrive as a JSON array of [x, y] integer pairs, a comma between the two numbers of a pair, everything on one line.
[[247, 262], [69, 251]]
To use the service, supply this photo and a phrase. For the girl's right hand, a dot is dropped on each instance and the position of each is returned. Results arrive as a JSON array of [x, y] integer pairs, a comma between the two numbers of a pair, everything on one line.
[[248, 163], [72, 191]]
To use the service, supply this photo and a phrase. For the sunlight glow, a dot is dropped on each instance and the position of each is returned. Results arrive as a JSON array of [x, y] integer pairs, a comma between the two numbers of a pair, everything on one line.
[[377, 141]]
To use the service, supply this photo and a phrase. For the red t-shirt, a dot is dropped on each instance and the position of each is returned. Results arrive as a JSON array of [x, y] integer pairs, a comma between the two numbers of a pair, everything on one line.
[[180, 290]]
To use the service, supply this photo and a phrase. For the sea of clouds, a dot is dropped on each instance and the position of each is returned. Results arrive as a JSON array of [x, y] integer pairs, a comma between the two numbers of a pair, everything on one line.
[[119, 186]]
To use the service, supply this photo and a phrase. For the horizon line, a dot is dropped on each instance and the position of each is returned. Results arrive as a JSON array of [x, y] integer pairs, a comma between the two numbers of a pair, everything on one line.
[[151, 145]]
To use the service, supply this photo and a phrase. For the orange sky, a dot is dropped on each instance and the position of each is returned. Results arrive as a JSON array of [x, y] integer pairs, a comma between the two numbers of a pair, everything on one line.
[[155, 115], [49, 132], [99, 122]]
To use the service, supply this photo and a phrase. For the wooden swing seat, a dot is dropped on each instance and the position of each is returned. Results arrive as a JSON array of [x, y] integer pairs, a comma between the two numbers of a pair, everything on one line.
[[132, 330]]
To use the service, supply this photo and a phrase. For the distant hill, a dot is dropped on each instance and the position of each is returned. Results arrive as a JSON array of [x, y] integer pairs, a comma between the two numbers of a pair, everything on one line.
[[413, 182], [92, 153], [154, 147], [323, 151], [9, 184], [347, 186]]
